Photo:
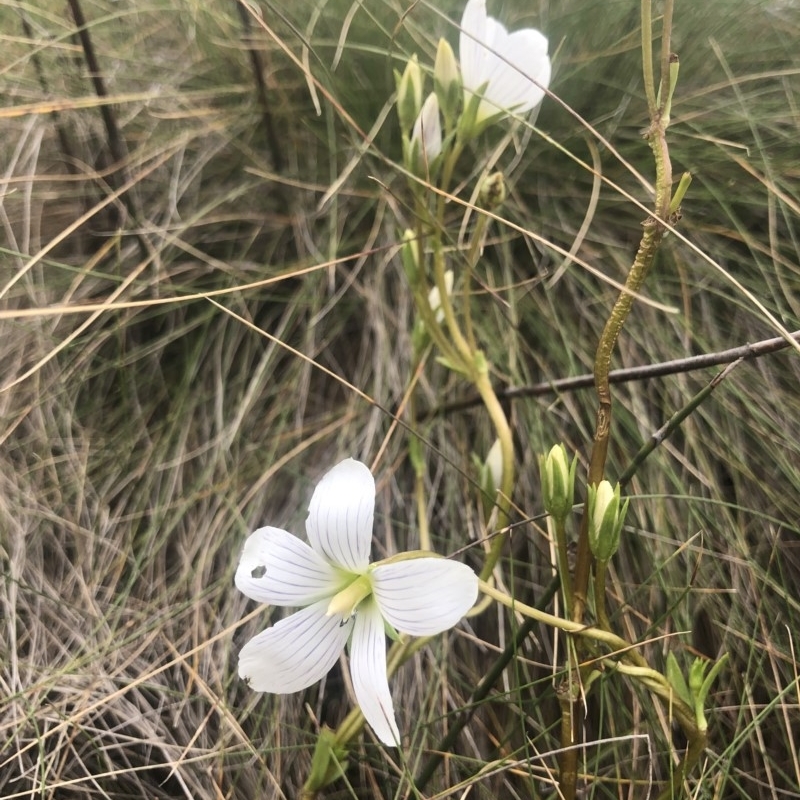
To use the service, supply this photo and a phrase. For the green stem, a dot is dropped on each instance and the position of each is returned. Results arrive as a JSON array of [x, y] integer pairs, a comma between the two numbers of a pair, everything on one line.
[[419, 483], [560, 533], [648, 247], [600, 595], [495, 410], [695, 749], [650, 242]]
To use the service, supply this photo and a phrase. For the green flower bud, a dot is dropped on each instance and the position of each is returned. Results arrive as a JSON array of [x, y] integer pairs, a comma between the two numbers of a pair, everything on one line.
[[409, 94], [490, 476], [494, 467], [697, 674], [558, 481], [410, 255], [492, 193], [447, 80], [606, 518]]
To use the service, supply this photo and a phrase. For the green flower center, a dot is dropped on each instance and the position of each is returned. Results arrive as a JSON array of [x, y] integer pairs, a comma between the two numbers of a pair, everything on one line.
[[345, 602]]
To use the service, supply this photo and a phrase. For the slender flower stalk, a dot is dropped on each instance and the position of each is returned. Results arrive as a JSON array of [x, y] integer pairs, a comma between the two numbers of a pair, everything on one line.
[[345, 600]]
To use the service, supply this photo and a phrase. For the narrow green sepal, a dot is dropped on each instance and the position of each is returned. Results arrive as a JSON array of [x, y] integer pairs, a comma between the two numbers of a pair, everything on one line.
[[446, 362], [677, 681], [701, 693], [712, 676], [391, 632], [328, 762], [467, 126]]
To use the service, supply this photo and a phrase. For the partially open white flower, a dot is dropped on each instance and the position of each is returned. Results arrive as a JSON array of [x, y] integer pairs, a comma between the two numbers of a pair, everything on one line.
[[426, 135], [345, 598], [513, 67]]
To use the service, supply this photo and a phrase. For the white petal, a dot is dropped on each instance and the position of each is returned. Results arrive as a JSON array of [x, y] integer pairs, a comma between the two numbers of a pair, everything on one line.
[[278, 568], [513, 87], [470, 51], [516, 65], [368, 671], [428, 129], [339, 523], [295, 652], [424, 596]]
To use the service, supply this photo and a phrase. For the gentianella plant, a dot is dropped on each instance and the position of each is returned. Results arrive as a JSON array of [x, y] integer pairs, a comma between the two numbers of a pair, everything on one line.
[[499, 75], [345, 599], [348, 602]]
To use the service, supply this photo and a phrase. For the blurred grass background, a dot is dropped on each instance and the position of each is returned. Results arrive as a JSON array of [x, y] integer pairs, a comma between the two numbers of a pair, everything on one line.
[[146, 428]]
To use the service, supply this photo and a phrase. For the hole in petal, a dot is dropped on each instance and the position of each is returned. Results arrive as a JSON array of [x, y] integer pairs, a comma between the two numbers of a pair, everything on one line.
[[258, 572]]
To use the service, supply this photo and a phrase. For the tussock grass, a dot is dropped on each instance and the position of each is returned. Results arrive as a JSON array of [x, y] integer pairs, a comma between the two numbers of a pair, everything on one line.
[[143, 436]]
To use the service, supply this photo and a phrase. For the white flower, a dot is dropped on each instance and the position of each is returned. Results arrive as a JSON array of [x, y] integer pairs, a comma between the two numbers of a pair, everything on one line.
[[345, 597], [513, 67], [435, 297], [427, 131]]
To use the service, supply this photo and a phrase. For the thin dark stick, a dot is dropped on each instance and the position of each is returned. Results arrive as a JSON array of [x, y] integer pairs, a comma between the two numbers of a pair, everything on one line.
[[675, 367], [115, 141], [257, 65], [674, 422]]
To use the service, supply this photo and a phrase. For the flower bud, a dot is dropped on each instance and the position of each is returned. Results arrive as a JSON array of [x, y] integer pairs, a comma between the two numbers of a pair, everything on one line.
[[490, 477], [492, 193], [409, 94], [447, 80], [435, 297], [426, 137], [494, 466], [558, 482], [410, 255], [697, 674], [606, 518]]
